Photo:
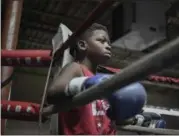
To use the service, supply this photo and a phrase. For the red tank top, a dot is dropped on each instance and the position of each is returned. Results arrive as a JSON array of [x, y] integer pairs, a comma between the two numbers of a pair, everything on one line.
[[89, 119]]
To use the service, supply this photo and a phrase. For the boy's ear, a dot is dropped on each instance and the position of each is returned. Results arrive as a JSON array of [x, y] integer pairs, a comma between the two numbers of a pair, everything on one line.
[[82, 45]]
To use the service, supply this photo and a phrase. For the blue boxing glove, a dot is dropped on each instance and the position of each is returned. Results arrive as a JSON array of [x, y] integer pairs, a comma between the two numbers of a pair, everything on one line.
[[79, 84], [98, 78], [126, 103], [149, 119], [160, 124]]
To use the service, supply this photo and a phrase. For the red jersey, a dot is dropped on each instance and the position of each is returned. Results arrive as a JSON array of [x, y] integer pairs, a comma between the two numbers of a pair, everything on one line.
[[89, 119]]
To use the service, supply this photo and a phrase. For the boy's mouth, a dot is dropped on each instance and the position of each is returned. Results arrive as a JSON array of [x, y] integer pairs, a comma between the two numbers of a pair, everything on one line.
[[108, 54]]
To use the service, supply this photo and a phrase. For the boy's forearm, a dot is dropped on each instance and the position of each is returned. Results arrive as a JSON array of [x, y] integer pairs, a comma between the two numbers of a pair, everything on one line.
[[49, 110], [55, 95]]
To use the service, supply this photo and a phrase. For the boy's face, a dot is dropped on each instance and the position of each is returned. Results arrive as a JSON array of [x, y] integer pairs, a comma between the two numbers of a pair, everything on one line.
[[99, 48]]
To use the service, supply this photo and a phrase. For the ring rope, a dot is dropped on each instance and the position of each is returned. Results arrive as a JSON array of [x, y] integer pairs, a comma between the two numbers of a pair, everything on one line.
[[26, 111], [18, 110], [41, 58]]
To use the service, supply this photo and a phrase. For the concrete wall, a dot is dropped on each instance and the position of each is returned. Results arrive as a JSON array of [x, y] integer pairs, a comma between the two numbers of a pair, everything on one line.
[[147, 25]]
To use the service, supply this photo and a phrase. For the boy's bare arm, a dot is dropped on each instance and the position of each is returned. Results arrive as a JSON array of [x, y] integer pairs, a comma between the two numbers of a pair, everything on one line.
[[56, 90]]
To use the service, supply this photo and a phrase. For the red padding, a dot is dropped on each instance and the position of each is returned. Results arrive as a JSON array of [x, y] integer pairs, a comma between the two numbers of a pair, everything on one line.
[[170, 80], [17, 110], [22, 54]]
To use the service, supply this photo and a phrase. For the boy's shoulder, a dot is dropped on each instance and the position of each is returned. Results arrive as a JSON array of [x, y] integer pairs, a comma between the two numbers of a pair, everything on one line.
[[72, 67]]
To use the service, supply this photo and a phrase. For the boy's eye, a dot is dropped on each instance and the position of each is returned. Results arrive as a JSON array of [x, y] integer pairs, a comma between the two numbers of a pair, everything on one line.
[[101, 40]]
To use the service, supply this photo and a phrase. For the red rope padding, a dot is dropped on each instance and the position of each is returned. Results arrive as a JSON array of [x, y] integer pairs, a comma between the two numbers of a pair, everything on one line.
[[30, 58], [33, 54], [17, 110], [154, 78], [170, 80], [42, 58]]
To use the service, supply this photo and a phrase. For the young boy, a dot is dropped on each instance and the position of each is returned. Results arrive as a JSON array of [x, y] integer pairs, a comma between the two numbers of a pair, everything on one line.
[[92, 48]]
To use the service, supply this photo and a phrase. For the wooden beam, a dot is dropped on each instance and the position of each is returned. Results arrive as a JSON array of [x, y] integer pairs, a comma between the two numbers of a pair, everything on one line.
[[57, 16], [23, 44], [35, 41], [45, 38], [41, 30], [40, 27], [43, 24]]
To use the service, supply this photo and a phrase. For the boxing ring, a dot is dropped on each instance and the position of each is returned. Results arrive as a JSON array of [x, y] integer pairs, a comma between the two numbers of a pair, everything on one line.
[[151, 63]]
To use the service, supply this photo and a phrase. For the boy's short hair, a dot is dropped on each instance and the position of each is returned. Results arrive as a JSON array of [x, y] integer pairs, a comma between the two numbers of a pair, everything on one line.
[[87, 34]]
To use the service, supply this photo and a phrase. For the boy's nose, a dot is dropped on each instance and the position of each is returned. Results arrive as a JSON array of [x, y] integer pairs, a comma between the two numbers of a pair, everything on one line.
[[108, 47]]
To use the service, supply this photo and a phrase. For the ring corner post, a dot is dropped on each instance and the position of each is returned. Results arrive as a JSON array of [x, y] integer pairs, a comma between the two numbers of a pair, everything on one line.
[[10, 30]]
